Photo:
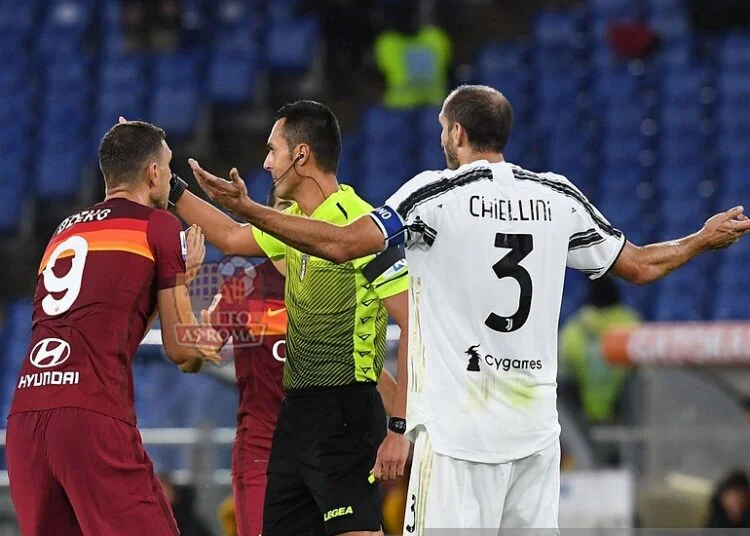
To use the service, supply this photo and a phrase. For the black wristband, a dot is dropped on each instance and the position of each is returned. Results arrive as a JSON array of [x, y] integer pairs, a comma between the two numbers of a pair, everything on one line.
[[177, 187], [397, 425]]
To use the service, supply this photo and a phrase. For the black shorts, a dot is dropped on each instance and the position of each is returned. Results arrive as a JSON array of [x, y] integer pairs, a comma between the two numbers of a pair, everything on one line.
[[323, 449]]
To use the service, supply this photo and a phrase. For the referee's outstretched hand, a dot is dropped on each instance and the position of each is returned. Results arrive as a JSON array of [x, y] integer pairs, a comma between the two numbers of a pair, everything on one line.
[[391, 459], [725, 228], [230, 194]]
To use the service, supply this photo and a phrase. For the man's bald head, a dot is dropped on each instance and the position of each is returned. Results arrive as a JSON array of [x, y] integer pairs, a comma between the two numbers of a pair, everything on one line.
[[484, 113]]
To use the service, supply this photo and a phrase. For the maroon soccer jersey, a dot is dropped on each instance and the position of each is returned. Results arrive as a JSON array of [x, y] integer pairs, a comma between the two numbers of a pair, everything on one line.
[[252, 311], [96, 288]]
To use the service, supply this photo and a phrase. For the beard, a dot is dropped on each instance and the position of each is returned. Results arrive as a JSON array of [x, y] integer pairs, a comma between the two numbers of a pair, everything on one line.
[[450, 157]]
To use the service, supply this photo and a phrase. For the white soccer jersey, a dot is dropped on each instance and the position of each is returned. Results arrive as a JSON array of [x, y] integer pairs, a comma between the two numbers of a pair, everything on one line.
[[487, 246]]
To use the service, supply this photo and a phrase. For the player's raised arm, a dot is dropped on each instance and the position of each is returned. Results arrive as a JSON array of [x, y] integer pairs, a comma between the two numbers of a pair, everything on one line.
[[641, 265], [228, 235], [332, 242]]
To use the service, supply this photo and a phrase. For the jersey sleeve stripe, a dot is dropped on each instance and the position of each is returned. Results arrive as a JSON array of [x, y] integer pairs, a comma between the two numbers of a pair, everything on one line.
[[440, 187], [571, 192], [585, 240]]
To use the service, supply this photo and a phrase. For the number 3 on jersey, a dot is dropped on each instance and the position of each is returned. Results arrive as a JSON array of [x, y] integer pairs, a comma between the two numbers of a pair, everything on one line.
[[520, 245], [70, 283]]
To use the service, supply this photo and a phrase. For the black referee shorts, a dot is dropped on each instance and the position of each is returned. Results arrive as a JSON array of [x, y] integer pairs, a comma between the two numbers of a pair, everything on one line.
[[323, 449]]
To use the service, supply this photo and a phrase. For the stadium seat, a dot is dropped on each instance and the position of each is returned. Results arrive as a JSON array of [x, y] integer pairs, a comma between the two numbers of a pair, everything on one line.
[[258, 185], [670, 26], [290, 45], [734, 52], [394, 127], [682, 85], [177, 70], [679, 182], [618, 84], [119, 73], [11, 201], [555, 29], [58, 175], [734, 87], [350, 161], [614, 9], [176, 110], [232, 78]]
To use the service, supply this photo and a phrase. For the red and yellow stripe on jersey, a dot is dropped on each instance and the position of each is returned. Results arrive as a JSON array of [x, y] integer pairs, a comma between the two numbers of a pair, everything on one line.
[[118, 234]]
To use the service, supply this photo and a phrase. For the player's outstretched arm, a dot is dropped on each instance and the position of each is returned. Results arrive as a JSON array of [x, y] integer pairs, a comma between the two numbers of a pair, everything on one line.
[[332, 242], [230, 236], [641, 265]]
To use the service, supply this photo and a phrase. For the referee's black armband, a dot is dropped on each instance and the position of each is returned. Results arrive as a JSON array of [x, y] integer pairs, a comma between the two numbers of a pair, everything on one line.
[[384, 260]]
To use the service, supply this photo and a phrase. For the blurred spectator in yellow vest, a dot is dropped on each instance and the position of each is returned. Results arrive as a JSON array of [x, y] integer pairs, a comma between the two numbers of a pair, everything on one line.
[[598, 384], [415, 61]]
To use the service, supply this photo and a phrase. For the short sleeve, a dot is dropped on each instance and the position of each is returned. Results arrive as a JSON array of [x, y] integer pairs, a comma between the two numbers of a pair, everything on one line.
[[594, 245], [387, 272], [274, 248], [168, 243], [403, 218]]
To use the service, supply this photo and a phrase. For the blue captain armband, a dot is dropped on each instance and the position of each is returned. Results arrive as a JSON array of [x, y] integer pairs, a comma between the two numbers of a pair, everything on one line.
[[390, 224]]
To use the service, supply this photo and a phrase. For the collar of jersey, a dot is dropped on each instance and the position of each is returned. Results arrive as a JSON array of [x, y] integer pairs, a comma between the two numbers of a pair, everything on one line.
[[325, 205]]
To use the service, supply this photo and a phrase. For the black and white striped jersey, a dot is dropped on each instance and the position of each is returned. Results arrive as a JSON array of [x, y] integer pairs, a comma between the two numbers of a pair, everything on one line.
[[487, 247]]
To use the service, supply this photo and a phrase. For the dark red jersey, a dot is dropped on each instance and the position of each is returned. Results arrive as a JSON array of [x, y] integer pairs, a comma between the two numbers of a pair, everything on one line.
[[96, 288], [253, 313]]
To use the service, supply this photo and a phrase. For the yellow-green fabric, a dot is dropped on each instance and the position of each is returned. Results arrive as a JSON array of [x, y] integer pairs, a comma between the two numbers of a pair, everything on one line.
[[336, 333], [415, 67], [600, 384]]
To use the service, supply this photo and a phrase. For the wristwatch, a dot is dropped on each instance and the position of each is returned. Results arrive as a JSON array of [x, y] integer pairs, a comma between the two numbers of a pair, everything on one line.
[[397, 425], [177, 187]]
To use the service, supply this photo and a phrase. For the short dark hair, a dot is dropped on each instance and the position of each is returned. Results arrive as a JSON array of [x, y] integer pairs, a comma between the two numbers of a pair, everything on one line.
[[313, 123], [125, 148], [484, 113]]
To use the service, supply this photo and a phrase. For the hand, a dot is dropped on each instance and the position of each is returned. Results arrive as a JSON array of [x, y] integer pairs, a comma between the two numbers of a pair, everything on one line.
[[121, 120], [210, 353], [391, 459], [231, 194], [725, 228], [196, 252]]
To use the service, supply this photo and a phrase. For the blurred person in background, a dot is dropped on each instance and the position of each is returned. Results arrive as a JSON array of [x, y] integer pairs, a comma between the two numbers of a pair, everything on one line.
[[182, 499], [599, 385], [414, 60], [730, 503]]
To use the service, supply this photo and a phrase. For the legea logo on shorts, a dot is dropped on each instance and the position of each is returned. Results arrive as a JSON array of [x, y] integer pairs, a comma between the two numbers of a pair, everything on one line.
[[49, 353]]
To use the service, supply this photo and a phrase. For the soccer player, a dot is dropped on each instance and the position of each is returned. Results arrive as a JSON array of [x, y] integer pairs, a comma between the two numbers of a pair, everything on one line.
[[75, 458], [332, 420], [488, 243]]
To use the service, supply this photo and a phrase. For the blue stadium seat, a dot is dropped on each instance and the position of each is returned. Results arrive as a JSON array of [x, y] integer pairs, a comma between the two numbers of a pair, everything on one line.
[[59, 174], [680, 182], [617, 84], [555, 29], [290, 45], [176, 110], [258, 185], [237, 41], [387, 125], [734, 87], [620, 182], [676, 54], [177, 70], [618, 150], [233, 13], [734, 52], [118, 73], [682, 307], [666, 7], [682, 86], [671, 26], [283, 10], [677, 147], [11, 202], [614, 9], [232, 78], [497, 61], [63, 28], [18, 15], [350, 162]]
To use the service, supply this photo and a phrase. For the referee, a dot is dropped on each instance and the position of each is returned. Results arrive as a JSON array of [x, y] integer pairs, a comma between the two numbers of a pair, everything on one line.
[[332, 421]]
